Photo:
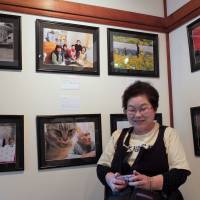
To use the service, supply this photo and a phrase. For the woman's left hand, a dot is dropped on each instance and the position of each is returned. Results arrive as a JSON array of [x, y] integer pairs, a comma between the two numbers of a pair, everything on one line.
[[140, 181]]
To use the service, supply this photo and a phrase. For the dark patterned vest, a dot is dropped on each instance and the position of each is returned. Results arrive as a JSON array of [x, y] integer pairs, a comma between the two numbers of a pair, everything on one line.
[[151, 161]]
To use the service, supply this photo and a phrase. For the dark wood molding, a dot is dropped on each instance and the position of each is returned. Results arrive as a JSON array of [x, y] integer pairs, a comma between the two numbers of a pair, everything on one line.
[[169, 80], [86, 13], [101, 15], [165, 8]]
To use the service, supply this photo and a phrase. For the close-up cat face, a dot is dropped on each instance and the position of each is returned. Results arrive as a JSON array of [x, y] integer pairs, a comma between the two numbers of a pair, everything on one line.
[[60, 134], [58, 137]]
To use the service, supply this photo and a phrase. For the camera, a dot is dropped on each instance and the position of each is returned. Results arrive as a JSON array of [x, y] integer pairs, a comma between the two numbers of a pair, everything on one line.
[[124, 177]]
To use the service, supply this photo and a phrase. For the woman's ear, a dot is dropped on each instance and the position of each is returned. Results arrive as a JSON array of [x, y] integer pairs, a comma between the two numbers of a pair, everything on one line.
[[155, 109], [124, 111]]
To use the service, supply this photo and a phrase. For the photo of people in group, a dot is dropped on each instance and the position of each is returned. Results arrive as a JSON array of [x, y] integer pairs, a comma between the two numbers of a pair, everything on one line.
[[67, 48], [69, 140], [7, 142]]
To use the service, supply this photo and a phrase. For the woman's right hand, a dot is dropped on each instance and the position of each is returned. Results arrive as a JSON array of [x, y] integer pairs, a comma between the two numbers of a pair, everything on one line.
[[114, 182]]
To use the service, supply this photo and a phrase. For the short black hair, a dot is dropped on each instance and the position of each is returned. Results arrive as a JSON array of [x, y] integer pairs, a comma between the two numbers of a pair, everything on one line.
[[58, 46], [141, 88]]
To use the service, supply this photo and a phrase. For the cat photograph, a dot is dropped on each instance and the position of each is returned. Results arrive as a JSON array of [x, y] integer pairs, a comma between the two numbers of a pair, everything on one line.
[[59, 140]]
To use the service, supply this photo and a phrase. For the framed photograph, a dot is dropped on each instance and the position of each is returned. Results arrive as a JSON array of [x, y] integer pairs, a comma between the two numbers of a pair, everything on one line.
[[120, 121], [132, 53], [11, 143], [68, 140], [10, 42], [67, 48], [195, 117], [193, 30]]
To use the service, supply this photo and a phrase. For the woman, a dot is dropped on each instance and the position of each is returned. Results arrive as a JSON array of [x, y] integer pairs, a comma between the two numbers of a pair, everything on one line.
[[57, 57], [151, 155], [72, 53], [82, 57]]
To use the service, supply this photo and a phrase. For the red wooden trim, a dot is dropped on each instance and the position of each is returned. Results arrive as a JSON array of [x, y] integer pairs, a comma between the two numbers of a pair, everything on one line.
[[80, 18], [165, 8], [101, 15], [169, 70], [183, 15], [87, 13], [169, 81]]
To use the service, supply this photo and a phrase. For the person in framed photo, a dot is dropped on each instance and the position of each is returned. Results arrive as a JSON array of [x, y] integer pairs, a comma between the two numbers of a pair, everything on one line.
[[85, 146], [147, 160], [65, 51], [72, 53], [78, 48], [82, 59], [57, 55]]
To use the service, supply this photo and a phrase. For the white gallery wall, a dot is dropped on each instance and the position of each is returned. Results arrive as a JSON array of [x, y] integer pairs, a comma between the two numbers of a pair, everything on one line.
[[185, 95], [30, 93], [174, 5]]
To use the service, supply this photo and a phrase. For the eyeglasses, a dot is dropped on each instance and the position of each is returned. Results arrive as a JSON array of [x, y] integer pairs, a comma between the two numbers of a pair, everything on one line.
[[142, 110]]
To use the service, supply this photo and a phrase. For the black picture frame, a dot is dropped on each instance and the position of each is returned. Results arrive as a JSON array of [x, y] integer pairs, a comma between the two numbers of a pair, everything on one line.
[[11, 143], [10, 42], [132, 53], [195, 119], [193, 31], [50, 35], [120, 121], [51, 155]]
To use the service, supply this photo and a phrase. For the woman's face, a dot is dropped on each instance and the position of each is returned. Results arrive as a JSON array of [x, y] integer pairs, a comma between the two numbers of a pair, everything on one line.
[[59, 49], [140, 114], [83, 50]]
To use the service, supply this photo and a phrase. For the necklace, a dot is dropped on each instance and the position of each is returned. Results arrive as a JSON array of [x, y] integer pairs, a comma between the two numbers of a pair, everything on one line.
[[128, 147]]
